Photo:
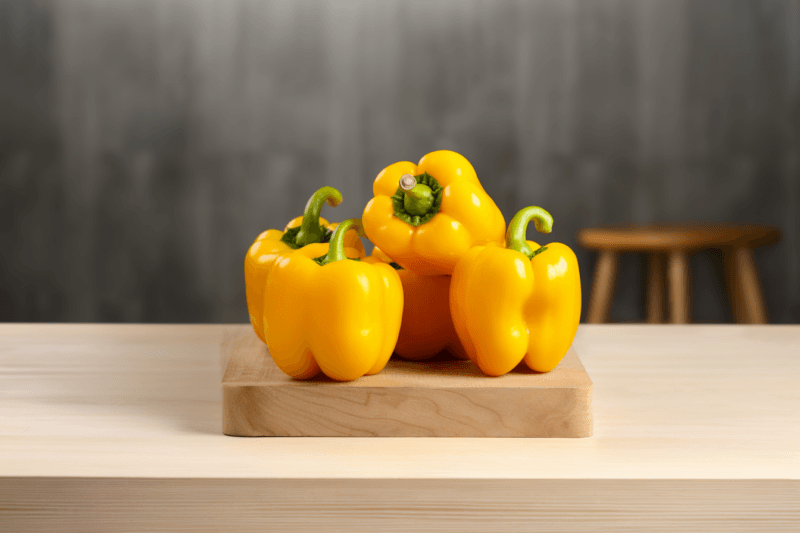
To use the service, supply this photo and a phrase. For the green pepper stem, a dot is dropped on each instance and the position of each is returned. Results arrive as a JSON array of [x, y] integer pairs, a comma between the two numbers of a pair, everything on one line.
[[518, 228], [418, 196], [310, 230], [336, 247]]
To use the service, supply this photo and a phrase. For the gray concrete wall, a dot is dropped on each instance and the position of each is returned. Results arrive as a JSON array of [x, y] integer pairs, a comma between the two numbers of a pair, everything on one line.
[[143, 145]]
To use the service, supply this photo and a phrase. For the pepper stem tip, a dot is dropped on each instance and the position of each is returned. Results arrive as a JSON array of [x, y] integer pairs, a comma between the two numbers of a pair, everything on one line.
[[408, 182]]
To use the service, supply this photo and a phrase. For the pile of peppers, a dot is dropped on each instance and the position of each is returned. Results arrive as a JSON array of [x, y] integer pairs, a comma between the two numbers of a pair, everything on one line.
[[445, 275]]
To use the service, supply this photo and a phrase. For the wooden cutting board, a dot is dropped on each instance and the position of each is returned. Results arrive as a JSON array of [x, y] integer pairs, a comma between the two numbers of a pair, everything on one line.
[[441, 398]]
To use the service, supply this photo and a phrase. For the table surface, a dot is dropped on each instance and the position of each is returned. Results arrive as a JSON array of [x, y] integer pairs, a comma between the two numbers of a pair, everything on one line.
[[144, 401]]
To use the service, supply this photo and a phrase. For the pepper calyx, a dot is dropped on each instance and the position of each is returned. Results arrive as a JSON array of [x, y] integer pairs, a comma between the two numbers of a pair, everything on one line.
[[417, 199], [321, 259], [538, 251], [290, 235]]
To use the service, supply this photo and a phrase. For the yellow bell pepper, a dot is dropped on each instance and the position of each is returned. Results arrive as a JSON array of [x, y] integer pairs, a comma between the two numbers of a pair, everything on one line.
[[330, 313], [519, 303], [427, 327], [427, 216], [307, 230]]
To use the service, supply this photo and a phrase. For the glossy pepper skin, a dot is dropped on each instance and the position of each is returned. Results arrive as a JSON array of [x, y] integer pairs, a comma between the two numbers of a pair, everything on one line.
[[341, 317], [427, 216], [269, 244], [519, 303], [427, 327]]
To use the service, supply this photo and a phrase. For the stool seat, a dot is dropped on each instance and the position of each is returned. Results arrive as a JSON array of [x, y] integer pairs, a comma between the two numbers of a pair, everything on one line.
[[690, 236], [668, 246]]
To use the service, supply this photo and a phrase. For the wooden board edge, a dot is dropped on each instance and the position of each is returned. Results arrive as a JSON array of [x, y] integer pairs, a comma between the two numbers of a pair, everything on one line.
[[235, 395]]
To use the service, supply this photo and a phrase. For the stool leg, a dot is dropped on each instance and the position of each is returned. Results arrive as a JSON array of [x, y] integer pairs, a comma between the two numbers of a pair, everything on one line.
[[605, 279], [678, 272], [744, 287], [734, 281], [655, 289]]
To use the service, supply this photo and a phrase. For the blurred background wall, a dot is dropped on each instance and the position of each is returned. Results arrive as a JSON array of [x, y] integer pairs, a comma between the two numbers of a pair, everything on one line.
[[145, 144]]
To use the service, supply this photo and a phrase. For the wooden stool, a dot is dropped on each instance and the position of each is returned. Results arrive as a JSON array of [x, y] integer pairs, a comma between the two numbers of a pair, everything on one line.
[[669, 247]]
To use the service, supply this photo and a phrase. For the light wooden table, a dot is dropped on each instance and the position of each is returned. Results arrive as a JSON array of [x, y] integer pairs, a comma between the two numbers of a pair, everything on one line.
[[118, 428]]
